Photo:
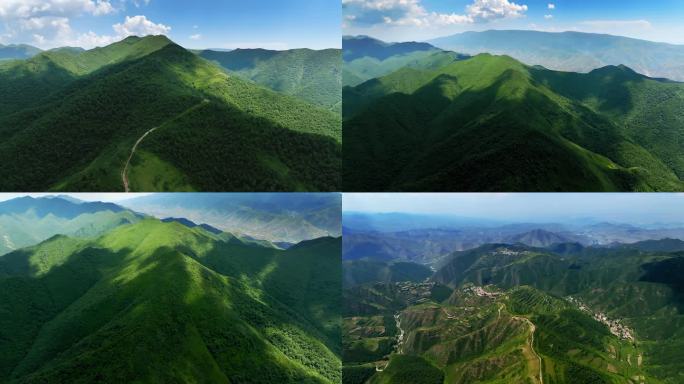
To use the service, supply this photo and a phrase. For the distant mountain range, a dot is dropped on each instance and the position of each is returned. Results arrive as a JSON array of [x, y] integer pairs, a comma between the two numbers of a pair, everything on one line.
[[192, 302], [273, 217], [366, 58], [572, 51], [18, 51], [431, 244], [492, 123], [26, 221], [71, 121]]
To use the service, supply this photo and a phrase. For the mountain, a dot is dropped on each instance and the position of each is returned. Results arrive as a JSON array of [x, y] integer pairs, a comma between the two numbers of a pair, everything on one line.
[[267, 216], [477, 334], [312, 75], [573, 51], [27, 221], [632, 286], [538, 238], [356, 47], [73, 120], [662, 245], [18, 51], [366, 58], [491, 123], [162, 302], [515, 313], [357, 272]]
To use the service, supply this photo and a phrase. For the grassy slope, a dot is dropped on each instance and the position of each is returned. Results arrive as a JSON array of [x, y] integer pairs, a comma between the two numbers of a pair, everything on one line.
[[144, 303], [103, 112], [491, 126]]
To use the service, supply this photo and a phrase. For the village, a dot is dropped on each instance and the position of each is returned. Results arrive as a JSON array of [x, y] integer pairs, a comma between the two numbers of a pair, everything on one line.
[[615, 326]]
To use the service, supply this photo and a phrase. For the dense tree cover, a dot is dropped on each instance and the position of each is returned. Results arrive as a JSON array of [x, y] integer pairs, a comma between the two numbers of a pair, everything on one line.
[[315, 76], [492, 124], [162, 302], [76, 132]]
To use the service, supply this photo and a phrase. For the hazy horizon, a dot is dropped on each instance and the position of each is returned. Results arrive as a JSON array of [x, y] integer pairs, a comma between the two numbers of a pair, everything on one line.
[[635, 208]]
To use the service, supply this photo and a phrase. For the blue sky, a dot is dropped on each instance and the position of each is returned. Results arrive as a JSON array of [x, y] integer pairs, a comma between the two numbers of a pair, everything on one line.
[[401, 20], [638, 208], [273, 24]]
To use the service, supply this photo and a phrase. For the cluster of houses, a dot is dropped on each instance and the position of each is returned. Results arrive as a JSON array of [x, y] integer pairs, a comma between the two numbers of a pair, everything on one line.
[[616, 326]]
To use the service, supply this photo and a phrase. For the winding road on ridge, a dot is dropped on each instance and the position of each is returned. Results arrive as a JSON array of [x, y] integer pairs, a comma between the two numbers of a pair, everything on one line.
[[124, 173], [533, 328]]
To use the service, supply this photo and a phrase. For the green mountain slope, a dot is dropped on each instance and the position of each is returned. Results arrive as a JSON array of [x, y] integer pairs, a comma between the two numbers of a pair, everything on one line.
[[315, 76], [161, 302], [82, 113], [491, 123]]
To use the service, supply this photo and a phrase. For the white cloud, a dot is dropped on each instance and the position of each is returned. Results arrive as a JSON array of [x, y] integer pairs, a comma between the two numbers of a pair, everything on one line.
[[551, 6], [23, 9], [495, 9], [548, 17], [46, 23], [140, 26], [196, 36], [413, 13]]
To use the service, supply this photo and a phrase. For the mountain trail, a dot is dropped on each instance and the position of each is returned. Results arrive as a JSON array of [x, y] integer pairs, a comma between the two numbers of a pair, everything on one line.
[[124, 173], [533, 328]]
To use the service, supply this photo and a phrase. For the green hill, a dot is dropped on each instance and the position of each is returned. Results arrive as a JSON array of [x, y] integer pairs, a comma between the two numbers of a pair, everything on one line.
[[490, 123], [74, 118], [158, 302], [312, 75]]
